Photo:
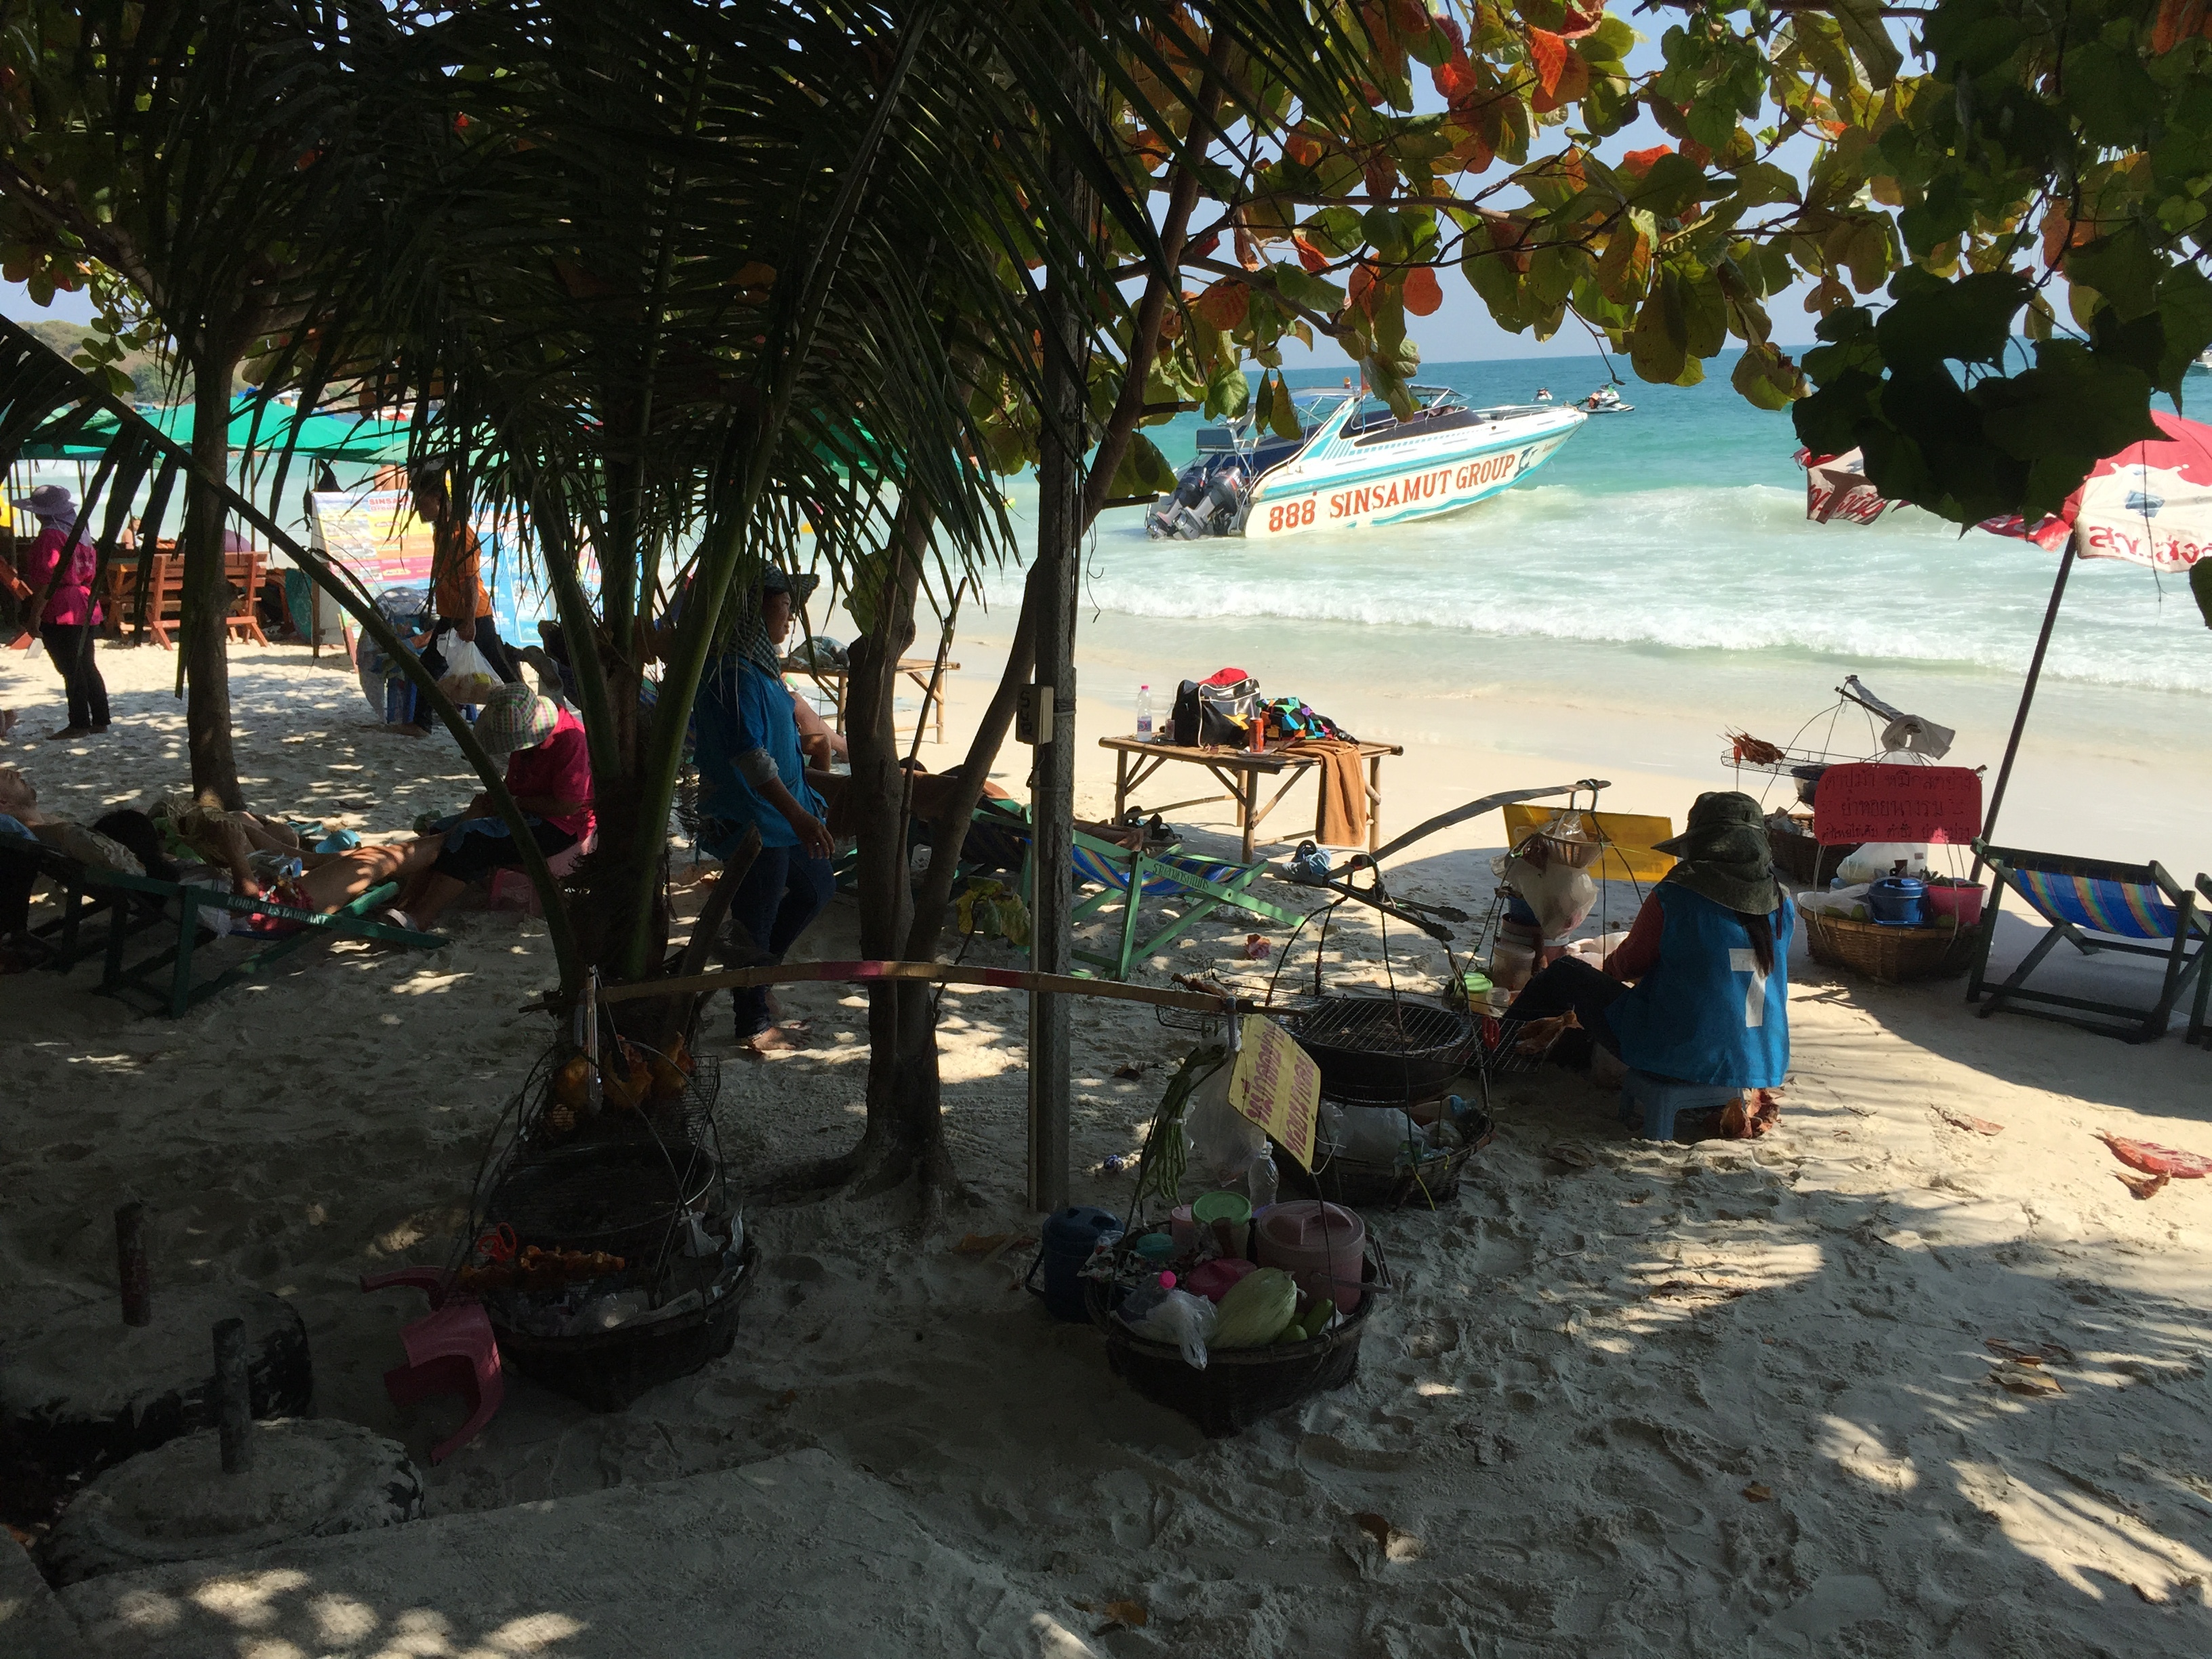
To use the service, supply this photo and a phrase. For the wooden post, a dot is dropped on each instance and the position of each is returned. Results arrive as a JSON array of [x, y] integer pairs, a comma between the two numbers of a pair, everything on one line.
[[1052, 790], [2026, 696], [234, 1396], [134, 1278]]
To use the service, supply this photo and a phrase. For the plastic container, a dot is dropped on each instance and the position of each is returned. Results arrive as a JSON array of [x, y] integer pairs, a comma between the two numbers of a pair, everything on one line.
[[1963, 902], [1156, 1250], [1070, 1236], [1212, 1279], [1183, 1229], [1899, 901], [1211, 1213], [1144, 712], [1320, 1245]]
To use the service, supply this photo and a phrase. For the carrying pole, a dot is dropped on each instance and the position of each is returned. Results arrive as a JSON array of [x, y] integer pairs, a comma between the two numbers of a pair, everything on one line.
[[2026, 696]]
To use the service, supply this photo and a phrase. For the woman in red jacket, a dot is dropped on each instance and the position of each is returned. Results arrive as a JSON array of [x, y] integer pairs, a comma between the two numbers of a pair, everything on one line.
[[70, 614]]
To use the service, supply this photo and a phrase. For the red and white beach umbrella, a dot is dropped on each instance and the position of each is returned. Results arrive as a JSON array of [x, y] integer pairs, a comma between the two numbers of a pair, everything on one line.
[[2151, 504]]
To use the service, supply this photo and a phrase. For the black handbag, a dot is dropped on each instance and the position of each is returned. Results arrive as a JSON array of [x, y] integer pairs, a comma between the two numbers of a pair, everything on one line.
[[1225, 713], [1183, 722]]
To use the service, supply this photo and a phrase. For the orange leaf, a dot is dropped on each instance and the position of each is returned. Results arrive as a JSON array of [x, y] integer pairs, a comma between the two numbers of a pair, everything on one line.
[[1573, 84], [1131, 1613], [1423, 295], [1549, 54], [1758, 1493], [1360, 285], [1638, 162], [1582, 18], [1455, 78], [1222, 305], [1301, 147], [1310, 256], [2178, 21]]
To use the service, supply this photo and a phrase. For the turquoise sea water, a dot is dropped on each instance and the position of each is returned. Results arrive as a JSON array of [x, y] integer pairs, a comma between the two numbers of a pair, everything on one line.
[[1679, 528]]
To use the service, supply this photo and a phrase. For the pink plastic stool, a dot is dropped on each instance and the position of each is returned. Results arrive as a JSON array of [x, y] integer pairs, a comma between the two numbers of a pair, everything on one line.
[[450, 1350], [511, 890]]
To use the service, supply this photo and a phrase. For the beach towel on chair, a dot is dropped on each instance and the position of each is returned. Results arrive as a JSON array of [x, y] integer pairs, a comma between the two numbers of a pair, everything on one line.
[[1343, 790]]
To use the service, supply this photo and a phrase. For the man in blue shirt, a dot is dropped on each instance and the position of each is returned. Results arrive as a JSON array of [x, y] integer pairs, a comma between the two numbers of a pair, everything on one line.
[[751, 776]]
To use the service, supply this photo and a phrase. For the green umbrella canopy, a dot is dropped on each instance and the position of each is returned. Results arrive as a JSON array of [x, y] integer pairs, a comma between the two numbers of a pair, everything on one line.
[[322, 437]]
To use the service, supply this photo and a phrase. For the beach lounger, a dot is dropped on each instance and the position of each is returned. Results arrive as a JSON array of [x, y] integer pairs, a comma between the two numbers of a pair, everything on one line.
[[1194, 886], [2199, 1030], [2094, 905], [162, 983], [61, 942]]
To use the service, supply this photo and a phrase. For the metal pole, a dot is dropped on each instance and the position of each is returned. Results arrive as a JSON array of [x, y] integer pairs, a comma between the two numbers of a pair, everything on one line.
[[234, 1396], [2026, 696], [1059, 531], [133, 1277]]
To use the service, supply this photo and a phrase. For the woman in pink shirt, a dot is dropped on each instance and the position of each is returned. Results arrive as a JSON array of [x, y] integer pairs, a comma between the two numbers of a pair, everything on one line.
[[71, 613], [549, 772]]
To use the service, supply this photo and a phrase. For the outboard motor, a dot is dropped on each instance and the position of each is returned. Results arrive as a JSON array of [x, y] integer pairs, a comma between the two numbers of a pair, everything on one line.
[[1208, 500]]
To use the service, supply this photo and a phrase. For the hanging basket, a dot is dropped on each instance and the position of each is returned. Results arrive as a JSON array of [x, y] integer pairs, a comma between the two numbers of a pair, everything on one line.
[[1364, 1186], [1804, 860], [1239, 1386], [1894, 956]]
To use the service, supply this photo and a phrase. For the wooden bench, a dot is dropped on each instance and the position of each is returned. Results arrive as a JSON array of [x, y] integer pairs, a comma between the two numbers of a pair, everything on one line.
[[165, 593]]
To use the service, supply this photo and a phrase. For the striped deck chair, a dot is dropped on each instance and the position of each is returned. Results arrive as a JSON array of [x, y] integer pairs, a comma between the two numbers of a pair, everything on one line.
[[2094, 905], [1196, 886]]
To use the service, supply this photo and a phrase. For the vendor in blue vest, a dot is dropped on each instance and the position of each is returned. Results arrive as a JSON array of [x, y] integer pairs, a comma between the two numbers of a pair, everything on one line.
[[751, 776], [1700, 990]]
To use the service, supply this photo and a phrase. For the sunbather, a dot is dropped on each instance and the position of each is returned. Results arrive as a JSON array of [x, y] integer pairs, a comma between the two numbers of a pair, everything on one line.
[[1708, 957]]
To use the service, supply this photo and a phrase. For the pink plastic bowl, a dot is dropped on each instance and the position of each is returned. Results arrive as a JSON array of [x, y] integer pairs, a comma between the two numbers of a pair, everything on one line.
[[1964, 902]]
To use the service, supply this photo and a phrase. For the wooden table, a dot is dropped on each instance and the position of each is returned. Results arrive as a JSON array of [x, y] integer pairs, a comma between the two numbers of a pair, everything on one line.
[[1239, 772], [917, 669]]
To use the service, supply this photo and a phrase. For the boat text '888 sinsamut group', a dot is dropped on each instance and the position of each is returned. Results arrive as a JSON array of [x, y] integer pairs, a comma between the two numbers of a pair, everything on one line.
[[1355, 464]]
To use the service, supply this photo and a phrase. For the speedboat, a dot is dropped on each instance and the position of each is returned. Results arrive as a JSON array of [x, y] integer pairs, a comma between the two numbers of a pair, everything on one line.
[[1354, 464], [1605, 401]]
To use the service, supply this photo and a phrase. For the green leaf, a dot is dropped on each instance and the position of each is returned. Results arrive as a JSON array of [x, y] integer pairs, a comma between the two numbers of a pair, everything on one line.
[[2121, 269], [1301, 287], [1861, 23], [1659, 344], [1143, 471], [2184, 310], [1766, 377], [2200, 586], [1228, 391]]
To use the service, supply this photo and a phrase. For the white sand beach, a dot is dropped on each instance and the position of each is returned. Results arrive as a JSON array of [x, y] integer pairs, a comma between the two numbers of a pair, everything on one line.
[[1628, 1399]]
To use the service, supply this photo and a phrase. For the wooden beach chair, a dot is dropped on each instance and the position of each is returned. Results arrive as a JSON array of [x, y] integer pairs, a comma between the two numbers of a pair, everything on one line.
[[2199, 1031], [61, 942], [2094, 905]]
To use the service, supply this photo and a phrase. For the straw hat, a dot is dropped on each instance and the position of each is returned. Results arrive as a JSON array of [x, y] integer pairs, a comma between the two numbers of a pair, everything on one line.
[[515, 717]]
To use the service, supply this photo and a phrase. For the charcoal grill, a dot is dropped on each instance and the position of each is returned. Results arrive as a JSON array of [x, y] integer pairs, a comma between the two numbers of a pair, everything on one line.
[[1381, 1050]]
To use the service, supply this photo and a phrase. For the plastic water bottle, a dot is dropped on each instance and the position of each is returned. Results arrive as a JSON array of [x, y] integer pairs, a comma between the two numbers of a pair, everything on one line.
[[1261, 1179], [1145, 711]]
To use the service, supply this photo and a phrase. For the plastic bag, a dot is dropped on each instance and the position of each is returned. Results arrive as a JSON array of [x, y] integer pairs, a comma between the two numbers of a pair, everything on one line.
[[469, 676], [1183, 1319], [1878, 858], [1381, 1134], [1223, 1140]]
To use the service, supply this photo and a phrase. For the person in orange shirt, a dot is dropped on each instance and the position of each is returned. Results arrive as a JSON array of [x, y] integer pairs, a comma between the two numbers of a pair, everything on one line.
[[459, 603]]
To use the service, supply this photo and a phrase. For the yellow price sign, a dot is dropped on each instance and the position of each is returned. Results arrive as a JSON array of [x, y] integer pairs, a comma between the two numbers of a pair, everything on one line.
[[1277, 1085]]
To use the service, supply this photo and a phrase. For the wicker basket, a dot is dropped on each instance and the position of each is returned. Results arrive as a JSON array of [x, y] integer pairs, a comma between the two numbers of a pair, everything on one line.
[[1361, 1186], [1239, 1386], [1804, 860], [1895, 956]]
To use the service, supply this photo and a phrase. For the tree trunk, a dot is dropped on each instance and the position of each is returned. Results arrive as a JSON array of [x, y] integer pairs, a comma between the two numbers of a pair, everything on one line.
[[203, 631]]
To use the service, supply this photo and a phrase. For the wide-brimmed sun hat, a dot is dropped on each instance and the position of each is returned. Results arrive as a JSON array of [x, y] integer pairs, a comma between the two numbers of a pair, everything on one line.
[[776, 580], [48, 501], [1724, 852], [515, 717]]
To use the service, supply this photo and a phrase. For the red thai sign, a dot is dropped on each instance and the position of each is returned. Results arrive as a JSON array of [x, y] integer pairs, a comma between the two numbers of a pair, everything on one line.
[[1863, 803]]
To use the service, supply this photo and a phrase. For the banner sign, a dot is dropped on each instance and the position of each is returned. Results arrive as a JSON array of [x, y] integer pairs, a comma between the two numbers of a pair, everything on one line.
[[1278, 1086], [1870, 803], [377, 537]]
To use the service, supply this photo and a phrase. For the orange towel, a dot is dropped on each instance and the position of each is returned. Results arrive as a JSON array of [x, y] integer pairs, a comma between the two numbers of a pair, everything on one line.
[[1343, 790]]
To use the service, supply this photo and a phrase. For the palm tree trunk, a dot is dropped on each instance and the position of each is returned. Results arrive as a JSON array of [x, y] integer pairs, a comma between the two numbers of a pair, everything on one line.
[[203, 633]]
